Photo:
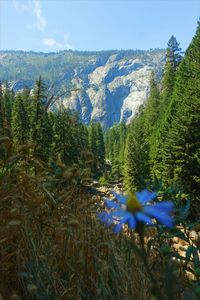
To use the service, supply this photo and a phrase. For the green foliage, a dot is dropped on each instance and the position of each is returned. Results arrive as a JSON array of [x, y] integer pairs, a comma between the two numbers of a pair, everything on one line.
[[20, 122], [8, 103], [139, 140], [59, 137], [152, 108], [52, 246], [2, 108], [163, 139], [97, 147], [136, 167], [181, 146], [17, 65], [115, 142], [70, 137]]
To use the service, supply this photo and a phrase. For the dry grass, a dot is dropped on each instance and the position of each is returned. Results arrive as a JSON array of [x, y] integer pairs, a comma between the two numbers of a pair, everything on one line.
[[52, 246]]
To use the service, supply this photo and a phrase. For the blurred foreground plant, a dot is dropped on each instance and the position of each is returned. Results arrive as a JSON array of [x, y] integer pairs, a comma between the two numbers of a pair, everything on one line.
[[139, 212]]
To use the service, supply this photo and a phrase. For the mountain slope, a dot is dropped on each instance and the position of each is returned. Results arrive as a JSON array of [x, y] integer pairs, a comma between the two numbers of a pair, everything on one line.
[[110, 85]]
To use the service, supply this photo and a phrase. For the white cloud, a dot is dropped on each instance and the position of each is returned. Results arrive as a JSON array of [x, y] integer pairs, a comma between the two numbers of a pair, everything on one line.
[[34, 7], [49, 42], [21, 7], [52, 43], [40, 20]]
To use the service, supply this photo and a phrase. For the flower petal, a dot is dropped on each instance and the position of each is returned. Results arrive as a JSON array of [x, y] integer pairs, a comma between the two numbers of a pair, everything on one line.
[[103, 217], [145, 196], [118, 227], [111, 204], [132, 222], [123, 221], [143, 218], [122, 199], [161, 216], [166, 206]]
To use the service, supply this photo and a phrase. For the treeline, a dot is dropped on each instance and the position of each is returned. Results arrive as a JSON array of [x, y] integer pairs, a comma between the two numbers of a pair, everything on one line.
[[59, 67], [51, 137], [115, 142], [48, 233], [163, 140]]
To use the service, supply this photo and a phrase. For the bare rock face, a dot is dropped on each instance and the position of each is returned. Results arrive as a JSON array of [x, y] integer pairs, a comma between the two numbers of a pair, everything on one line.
[[109, 86], [115, 90]]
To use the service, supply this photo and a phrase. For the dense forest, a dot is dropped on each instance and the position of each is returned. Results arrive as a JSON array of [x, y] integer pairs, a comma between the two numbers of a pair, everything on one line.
[[163, 140], [52, 246]]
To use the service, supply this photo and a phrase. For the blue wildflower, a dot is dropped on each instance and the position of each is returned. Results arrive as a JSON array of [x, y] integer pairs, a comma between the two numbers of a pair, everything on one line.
[[135, 209]]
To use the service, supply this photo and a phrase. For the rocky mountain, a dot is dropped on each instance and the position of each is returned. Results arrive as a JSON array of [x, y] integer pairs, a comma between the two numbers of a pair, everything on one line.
[[107, 86]]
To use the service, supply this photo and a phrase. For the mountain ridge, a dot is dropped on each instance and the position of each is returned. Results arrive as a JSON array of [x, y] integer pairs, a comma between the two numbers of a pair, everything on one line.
[[110, 84]]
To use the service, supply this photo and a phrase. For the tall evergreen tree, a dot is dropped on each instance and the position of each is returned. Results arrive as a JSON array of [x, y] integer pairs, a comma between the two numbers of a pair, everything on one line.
[[182, 146], [20, 122], [152, 108], [100, 147], [92, 139], [137, 167], [174, 53], [173, 59], [41, 130], [8, 103], [70, 137], [115, 142], [2, 109]]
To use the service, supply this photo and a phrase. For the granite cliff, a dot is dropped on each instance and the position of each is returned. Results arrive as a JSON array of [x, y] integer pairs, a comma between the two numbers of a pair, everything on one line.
[[109, 86]]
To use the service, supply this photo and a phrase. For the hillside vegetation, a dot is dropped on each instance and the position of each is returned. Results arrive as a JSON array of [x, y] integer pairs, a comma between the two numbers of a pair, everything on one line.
[[105, 86], [52, 242], [162, 142]]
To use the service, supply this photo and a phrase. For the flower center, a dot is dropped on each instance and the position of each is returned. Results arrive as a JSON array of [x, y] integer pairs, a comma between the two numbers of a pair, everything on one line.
[[133, 203]]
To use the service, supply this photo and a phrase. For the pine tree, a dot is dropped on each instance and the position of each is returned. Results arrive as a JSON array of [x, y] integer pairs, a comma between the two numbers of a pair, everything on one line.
[[70, 137], [41, 130], [20, 122], [173, 59], [122, 143], [115, 142], [8, 103], [182, 146], [174, 53], [2, 109], [92, 139], [152, 108], [137, 166], [100, 147]]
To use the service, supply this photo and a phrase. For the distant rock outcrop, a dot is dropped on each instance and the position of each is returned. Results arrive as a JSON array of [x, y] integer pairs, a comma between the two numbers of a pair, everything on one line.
[[111, 85]]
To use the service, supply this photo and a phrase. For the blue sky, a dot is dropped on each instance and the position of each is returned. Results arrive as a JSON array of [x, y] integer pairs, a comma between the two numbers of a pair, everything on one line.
[[53, 25]]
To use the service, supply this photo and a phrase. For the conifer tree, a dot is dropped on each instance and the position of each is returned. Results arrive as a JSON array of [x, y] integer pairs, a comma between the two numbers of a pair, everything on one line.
[[70, 137], [152, 108], [2, 109], [136, 168], [92, 139], [182, 147], [115, 142], [174, 53], [173, 59], [20, 122], [100, 147], [41, 130], [8, 103]]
